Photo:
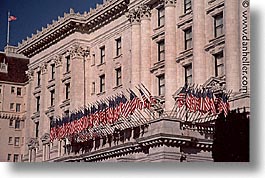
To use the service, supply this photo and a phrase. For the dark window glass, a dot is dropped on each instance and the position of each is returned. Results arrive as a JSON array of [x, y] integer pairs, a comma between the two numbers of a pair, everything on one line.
[[218, 25], [102, 83], [118, 46], [219, 64], [187, 6], [118, 77], [188, 38], [188, 74], [161, 16], [161, 50], [102, 54], [161, 85]]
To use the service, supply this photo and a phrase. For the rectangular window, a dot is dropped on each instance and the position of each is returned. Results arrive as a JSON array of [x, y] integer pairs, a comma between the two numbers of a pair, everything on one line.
[[218, 25], [15, 157], [38, 103], [10, 123], [118, 46], [93, 89], [102, 83], [118, 76], [67, 91], [12, 90], [8, 157], [219, 64], [102, 54], [37, 129], [161, 85], [161, 16], [67, 63], [16, 141], [11, 106], [188, 74], [17, 124], [187, 6], [52, 71], [19, 91], [18, 107], [0, 88], [93, 59], [188, 38], [10, 140], [161, 50], [38, 78], [52, 97]]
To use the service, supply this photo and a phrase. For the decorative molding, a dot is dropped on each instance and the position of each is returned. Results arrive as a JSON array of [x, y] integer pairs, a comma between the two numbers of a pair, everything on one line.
[[58, 60], [30, 74], [134, 16], [45, 138], [43, 68]]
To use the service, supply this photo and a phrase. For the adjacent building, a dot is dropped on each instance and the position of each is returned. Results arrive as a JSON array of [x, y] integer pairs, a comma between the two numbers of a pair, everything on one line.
[[13, 82], [162, 44]]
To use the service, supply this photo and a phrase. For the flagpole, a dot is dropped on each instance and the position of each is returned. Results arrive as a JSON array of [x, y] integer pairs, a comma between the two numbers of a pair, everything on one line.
[[7, 39]]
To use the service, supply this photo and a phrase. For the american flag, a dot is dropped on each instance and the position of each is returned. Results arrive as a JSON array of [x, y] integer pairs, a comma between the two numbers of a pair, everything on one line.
[[181, 97]]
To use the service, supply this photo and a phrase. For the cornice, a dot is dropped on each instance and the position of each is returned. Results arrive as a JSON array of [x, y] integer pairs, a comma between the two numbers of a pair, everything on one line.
[[70, 23]]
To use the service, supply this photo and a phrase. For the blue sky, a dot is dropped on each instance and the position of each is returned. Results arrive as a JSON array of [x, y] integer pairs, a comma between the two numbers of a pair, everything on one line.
[[34, 14]]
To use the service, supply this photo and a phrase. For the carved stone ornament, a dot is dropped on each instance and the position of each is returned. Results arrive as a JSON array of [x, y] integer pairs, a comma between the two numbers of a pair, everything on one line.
[[43, 68], [78, 51], [134, 15], [30, 74], [33, 143], [145, 11], [170, 3], [45, 138], [58, 60]]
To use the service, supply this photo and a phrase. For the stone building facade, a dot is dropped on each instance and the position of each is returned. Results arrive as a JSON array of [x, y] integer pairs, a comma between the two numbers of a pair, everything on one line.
[[163, 44], [12, 104]]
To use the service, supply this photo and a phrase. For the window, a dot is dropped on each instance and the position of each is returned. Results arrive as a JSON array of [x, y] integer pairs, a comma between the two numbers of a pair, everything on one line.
[[219, 64], [67, 91], [102, 83], [52, 97], [17, 124], [188, 38], [118, 76], [18, 91], [10, 123], [15, 157], [93, 59], [18, 107], [8, 157], [187, 6], [93, 87], [161, 50], [38, 103], [67, 63], [16, 141], [218, 25], [188, 74], [12, 90], [52, 71], [38, 78], [37, 129], [102, 54], [161, 16], [11, 106], [161, 85], [118, 46], [0, 88], [10, 140]]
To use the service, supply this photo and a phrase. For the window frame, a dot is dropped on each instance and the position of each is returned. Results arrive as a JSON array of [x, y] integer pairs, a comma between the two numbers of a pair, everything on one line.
[[52, 97], [16, 158], [219, 16], [118, 77], [67, 91], [187, 77], [102, 54], [161, 50], [16, 141], [102, 83], [68, 63], [52, 71], [38, 104], [118, 46], [219, 56], [18, 107], [161, 85], [187, 8], [19, 91], [38, 78], [17, 124], [161, 16], [188, 40], [12, 90]]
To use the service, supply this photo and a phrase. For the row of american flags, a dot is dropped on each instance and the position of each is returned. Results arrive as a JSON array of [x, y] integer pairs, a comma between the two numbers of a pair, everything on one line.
[[97, 118], [202, 101]]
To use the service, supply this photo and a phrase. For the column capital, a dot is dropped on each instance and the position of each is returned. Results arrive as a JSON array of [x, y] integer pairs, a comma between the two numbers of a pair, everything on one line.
[[145, 12], [170, 3], [30, 74], [79, 51], [58, 60], [134, 16], [43, 68]]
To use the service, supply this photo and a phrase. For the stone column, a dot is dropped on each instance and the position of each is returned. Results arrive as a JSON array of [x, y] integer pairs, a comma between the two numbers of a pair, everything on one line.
[[44, 102], [232, 48], [145, 45], [59, 97], [77, 86], [134, 18], [198, 31], [170, 54]]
